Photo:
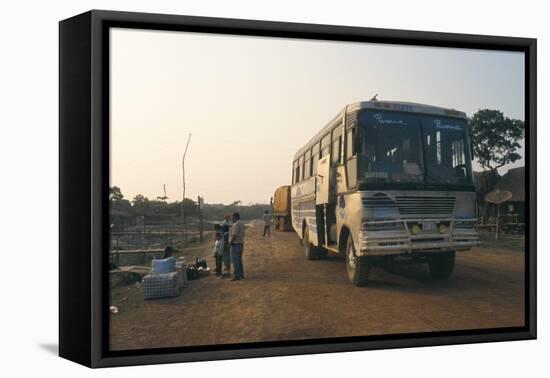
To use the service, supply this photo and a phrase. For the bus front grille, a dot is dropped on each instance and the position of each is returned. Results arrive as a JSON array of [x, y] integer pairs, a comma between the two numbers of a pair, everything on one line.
[[425, 205], [378, 200]]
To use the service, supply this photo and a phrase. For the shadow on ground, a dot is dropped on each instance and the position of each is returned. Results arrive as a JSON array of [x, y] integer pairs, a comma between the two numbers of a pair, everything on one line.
[[51, 348]]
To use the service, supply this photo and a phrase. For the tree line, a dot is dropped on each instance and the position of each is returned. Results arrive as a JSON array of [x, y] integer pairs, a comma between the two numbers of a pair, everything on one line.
[[159, 210]]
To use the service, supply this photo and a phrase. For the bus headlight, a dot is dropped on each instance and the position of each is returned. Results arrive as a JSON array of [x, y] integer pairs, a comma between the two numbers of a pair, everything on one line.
[[442, 228]]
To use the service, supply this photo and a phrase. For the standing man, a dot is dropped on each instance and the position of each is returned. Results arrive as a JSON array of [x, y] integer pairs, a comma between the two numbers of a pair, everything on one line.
[[226, 253], [267, 222], [218, 249], [236, 242]]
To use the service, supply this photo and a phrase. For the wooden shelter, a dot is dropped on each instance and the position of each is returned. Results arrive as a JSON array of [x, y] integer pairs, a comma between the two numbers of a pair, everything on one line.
[[514, 182], [485, 182]]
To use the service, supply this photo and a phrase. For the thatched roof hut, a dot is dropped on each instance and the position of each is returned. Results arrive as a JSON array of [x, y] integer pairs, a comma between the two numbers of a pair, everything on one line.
[[485, 182], [514, 182]]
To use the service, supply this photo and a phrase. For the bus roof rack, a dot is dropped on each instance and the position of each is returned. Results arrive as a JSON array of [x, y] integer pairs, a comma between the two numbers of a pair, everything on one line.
[[402, 106]]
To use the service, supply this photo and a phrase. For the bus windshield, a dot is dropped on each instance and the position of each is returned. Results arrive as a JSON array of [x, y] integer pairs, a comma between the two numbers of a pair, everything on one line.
[[408, 148]]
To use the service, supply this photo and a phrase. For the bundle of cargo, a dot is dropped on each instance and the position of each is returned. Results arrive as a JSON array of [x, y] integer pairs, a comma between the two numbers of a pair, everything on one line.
[[166, 265], [164, 281], [198, 269], [181, 269], [161, 285]]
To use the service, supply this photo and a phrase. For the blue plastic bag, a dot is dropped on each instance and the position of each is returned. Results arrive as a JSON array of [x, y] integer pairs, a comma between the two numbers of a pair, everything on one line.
[[164, 266]]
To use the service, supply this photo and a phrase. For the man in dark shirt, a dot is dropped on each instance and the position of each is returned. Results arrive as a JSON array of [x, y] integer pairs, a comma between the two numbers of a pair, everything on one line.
[[236, 240], [226, 253]]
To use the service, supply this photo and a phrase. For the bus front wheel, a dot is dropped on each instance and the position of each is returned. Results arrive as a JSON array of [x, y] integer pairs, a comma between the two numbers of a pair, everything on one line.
[[441, 265], [310, 249], [358, 267]]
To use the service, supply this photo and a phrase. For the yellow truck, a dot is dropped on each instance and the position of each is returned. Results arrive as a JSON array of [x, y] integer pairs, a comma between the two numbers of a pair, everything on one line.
[[281, 208]]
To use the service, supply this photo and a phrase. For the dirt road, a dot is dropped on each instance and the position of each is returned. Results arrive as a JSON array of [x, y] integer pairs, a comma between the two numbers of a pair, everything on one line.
[[285, 297]]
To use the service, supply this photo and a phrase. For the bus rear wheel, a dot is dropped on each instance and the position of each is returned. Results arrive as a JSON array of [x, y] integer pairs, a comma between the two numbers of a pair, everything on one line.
[[441, 265], [357, 267]]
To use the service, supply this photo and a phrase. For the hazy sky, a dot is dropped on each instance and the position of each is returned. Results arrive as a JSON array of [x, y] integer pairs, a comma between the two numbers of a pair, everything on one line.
[[251, 102]]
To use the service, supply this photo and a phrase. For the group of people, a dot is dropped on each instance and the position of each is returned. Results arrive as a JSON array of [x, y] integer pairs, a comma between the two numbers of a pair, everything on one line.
[[229, 245]]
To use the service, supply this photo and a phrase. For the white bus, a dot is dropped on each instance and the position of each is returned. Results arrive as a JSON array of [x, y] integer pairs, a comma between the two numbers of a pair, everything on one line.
[[386, 181]]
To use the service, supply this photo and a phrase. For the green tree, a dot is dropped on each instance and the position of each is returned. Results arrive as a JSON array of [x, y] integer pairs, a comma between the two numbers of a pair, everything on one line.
[[496, 141], [495, 138], [115, 194], [140, 204]]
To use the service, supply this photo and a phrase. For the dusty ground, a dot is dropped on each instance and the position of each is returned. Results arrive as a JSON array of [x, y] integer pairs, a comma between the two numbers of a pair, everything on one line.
[[286, 297]]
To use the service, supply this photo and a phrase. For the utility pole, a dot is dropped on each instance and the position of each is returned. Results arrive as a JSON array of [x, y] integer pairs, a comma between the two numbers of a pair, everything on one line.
[[165, 197], [200, 202], [183, 196]]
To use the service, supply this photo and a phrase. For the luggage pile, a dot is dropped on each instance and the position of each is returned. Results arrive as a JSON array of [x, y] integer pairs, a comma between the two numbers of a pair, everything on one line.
[[160, 285], [169, 276], [166, 279], [198, 269], [181, 268]]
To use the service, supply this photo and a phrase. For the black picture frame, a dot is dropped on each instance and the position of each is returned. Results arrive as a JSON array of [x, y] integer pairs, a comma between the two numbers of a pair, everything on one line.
[[84, 178]]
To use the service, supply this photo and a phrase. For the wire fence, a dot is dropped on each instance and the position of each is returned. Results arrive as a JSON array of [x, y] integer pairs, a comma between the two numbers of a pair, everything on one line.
[[153, 237]]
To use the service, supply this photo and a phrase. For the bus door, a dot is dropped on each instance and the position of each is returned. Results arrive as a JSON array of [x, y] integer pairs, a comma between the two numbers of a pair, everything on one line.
[[322, 196], [322, 186]]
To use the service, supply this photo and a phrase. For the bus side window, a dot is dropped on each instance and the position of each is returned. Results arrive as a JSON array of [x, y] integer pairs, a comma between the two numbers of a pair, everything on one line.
[[325, 146], [351, 148], [336, 145], [307, 164], [351, 163], [301, 168], [314, 159]]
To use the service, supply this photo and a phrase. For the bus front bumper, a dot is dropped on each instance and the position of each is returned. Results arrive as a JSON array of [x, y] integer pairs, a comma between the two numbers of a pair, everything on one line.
[[458, 235]]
